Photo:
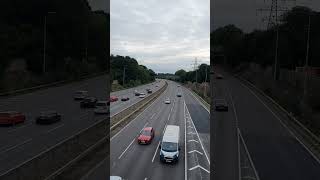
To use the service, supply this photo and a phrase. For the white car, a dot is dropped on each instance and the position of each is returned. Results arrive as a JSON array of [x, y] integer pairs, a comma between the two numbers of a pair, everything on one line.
[[167, 101], [101, 107], [115, 178], [142, 95]]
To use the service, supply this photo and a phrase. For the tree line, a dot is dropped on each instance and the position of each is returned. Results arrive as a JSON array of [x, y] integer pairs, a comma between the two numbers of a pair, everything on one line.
[[129, 69], [77, 38], [200, 75], [233, 46]]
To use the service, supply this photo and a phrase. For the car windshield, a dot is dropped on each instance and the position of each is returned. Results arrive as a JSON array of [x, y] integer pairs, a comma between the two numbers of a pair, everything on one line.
[[146, 133], [169, 146]]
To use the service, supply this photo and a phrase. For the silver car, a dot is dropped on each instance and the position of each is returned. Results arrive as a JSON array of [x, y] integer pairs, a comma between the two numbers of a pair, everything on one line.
[[101, 107]]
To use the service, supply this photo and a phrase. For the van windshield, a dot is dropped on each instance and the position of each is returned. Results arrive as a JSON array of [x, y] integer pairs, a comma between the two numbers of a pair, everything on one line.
[[169, 146]]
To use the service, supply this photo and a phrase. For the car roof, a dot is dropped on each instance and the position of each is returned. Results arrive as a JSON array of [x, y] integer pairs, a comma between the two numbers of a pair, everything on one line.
[[115, 178], [171, 134], [147, 128]]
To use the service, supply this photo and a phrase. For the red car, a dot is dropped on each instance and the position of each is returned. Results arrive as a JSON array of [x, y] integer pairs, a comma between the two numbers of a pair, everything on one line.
[[146, 135], [11, 117], [113, 98]]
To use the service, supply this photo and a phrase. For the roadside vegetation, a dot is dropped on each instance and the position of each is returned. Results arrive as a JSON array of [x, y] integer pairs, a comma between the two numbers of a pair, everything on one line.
[[252, 56], [129, 69], [77, 40], [197, 80]]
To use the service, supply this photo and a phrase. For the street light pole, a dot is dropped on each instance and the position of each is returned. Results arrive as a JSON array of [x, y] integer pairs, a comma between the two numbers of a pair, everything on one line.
[[44, 41], [307, 59]]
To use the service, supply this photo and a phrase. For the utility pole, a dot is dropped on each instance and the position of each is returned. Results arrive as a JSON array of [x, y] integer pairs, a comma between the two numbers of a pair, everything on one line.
[[205, 84], [124, 75], [273, 23], [307, 60], [44, 41], [195, 68]]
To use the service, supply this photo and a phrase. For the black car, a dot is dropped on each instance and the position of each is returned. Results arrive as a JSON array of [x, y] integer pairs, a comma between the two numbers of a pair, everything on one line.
[[149, 91], [220, 105], [125, 99], [48, 117], [89, 102], [136, 93]]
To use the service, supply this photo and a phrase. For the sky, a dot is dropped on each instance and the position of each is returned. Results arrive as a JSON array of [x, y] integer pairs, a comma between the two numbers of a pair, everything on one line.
[[245, 14], [164, 35]]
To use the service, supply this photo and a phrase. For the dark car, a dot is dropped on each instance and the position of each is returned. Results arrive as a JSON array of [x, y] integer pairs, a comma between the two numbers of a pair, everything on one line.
[[89, 102], [48, 117], [125, 98], [149, 91], [219, 76], [220, 105], [11, 117], [136, 93], [80, 95], [179, 95]]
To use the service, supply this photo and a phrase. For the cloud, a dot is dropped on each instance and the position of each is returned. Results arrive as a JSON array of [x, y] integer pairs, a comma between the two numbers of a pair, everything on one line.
[[163, 35]]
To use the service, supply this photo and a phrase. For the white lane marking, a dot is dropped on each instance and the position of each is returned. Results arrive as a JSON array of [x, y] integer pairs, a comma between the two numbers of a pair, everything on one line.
[[192, 133], [185, 142], [195, 151], [205, 153], [153, 115], [135, 118], [192, 140], [284, 125], [249, 156], [54, 128], [126, 148], [18, 128], [15, 146], [155, 152], [131, 143], [198, 166]]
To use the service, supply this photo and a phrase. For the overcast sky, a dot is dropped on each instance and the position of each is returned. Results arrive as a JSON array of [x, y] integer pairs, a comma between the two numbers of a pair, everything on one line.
[[164, 35], [245, 14]]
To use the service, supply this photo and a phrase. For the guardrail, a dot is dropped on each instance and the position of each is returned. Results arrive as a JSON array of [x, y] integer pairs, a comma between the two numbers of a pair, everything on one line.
[[50, 160], [310, 140], [25, 90]]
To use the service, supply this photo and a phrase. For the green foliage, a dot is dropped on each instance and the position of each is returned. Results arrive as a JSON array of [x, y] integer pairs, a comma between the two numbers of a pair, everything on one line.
[[202, 74], [135, 74], [259, 45]]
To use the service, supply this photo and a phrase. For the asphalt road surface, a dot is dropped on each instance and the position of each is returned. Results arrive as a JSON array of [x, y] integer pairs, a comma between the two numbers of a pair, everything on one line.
[[119, 105], [276, 153], [130, 160], [21, 142]]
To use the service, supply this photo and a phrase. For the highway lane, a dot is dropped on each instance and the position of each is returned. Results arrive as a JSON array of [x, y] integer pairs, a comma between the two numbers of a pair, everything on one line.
[[24, 141], [133, 161], [275, 152], [119, 105]]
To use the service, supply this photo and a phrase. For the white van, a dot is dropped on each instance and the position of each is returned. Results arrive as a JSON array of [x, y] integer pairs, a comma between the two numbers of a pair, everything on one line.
[[169, 147]]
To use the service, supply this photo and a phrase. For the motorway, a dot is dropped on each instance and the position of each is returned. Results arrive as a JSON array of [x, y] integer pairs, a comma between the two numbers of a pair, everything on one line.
[[119, 105], [132, 161], [21, 142], [275, 151]]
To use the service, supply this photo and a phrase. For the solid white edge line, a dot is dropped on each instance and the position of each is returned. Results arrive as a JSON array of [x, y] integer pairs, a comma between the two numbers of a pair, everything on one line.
[[239, 163], [284, 125], [201, 103], [93, 169], [185, 142], [249, 156], [205, 153]]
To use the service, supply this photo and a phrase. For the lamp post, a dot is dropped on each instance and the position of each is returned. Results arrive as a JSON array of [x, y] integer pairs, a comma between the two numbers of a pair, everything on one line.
[[44, 41]]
